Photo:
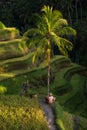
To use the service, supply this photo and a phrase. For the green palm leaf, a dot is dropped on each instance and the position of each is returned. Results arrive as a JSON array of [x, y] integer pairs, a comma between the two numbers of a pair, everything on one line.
[[39, 51], [59, 24], [66, 31]]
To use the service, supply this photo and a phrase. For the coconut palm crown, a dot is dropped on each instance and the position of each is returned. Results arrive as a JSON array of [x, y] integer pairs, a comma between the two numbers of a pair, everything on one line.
[[51, 29]]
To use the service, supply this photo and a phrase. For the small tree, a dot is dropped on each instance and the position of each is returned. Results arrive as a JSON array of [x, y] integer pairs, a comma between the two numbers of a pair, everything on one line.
[[51, 29]]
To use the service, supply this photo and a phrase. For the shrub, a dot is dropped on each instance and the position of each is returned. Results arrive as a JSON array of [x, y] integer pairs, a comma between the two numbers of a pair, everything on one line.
[[21, 113], [3, 89], [2, 26], [66, 120]]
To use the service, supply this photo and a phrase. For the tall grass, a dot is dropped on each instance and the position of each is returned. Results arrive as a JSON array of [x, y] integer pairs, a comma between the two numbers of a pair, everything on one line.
[[20, 113], [66, 120]]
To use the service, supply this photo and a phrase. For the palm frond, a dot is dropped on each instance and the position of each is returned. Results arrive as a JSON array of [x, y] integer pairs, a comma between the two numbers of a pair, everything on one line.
[[47, 11], [57, 25], [54, 38], [63, 50], [66, 43], [57, 41], [33, 37], [47, 16], [66, 31], [56, 15], [33, 32], [33, 42], [44, 43], [51, 17], [63, 44], [38, 41], [39, 51], [45, 25]]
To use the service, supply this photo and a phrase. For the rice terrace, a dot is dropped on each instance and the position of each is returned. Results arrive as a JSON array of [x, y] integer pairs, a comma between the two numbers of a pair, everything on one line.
[[29, 58]]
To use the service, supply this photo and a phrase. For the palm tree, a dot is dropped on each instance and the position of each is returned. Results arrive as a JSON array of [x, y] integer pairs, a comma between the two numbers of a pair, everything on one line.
[[51, 29]]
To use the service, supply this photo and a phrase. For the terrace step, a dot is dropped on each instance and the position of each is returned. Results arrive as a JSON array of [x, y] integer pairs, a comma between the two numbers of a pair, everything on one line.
[[9, 34]]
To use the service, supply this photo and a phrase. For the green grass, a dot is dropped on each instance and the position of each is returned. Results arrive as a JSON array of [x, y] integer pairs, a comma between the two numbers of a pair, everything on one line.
[[8, 34], [66, 92], [14, 85], [26, 60], [62, 84], [21, 63], [65, 120], [22, 113], [12, 49], [2, 26], [3, 90], [18, 59], [74, 101], [68, 101]]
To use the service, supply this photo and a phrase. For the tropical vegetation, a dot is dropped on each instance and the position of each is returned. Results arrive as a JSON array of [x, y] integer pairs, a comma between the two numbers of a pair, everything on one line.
[[68, 80], [51, 30], [19, 112]]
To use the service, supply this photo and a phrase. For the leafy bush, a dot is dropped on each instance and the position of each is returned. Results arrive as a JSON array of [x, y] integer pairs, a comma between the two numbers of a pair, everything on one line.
[[3, 89], [20, 113], [67, 121], [2, 26]]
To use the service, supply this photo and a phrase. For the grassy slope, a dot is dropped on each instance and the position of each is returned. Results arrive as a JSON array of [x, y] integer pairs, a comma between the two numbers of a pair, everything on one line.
[[67, 91], [66, 83], [8, 34], [17, 112], [11, 49]]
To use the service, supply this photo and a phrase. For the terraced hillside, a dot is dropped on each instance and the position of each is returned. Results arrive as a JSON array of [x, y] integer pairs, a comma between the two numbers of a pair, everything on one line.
[[11, 46], [68, 80]]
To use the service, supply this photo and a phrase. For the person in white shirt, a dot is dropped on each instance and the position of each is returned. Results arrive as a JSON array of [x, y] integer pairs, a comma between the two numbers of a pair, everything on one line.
[[50, 98]]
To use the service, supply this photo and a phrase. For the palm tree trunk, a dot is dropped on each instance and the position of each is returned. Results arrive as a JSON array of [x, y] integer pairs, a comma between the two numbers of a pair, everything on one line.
[[48, 81]]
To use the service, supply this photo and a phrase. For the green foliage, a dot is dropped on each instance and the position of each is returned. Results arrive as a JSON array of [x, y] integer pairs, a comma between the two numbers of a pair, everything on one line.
[[15, 10], [15, 114], [51, 28], [46, 35], [21, 113], [62, 71], [3, 89], [14, 48], [2, 26], [9, 34], [65, 120]]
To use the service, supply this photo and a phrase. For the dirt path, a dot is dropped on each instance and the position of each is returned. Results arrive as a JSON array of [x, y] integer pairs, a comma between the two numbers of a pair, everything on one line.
[[49, 114]]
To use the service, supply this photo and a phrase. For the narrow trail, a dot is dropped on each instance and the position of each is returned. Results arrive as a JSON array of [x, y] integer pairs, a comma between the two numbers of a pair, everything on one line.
[[49, 114]]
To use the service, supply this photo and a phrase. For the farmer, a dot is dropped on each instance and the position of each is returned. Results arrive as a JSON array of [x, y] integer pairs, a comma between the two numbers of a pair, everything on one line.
[[25, 87]]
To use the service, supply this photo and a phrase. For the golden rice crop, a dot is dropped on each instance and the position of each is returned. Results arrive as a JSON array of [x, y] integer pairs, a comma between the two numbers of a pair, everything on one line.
[[20, 113]]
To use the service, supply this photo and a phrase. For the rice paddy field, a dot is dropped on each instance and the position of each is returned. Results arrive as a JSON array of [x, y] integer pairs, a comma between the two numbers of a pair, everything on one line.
[[68, 84]]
